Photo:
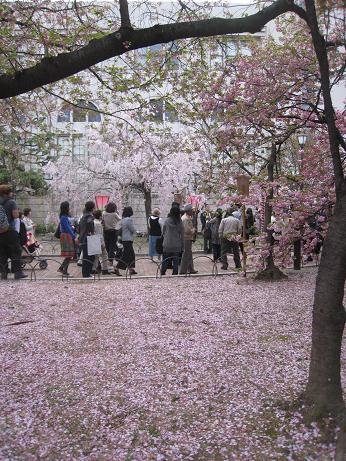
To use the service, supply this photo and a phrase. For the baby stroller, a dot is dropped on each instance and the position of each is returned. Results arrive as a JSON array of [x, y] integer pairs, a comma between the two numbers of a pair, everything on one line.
[[31, 252]]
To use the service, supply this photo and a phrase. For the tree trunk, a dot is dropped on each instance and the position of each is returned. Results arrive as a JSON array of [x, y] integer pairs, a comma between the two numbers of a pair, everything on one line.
[[147, 205], [297, 254], [271, 271], [324, 392]]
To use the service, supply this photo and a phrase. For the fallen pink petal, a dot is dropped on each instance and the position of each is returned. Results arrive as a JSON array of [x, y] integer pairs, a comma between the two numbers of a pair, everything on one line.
[[171, 369]]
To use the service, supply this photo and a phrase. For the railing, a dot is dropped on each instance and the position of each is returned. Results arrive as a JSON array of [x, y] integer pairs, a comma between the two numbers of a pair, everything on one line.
[[46, 268]]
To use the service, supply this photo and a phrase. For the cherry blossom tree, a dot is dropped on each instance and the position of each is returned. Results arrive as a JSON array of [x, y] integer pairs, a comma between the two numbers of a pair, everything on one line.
[[287, 118], [121, 161], [28, 71]]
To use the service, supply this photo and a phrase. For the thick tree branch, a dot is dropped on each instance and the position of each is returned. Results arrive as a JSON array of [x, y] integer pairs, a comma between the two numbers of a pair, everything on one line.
[[321, 53], [52, 69], [124, 14]]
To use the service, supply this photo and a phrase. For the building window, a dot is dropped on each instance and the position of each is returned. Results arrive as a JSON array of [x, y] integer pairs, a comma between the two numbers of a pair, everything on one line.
[[156, 110], [159, 52], [63, 145], [79, 114], [217, 114], [64, 114], [85, 112], [78, 147], [93, 115], [230, 49], [74, 146], [171, 114]]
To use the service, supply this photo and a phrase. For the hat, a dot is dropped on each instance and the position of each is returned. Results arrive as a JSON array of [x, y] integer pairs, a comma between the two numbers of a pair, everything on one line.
[[188, 207]]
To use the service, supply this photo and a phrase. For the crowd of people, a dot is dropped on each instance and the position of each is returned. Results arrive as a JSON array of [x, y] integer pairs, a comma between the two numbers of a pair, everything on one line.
[[170, 239]]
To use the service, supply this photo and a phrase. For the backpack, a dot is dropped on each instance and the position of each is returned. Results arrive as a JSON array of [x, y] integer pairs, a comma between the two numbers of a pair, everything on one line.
[[4, 224]]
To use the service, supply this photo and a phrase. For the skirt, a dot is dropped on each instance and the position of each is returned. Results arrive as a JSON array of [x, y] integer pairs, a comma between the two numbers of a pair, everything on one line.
[[152, 244], [67, 246]]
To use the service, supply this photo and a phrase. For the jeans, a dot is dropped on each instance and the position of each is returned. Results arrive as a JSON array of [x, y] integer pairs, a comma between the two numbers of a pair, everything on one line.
[[174, 257], [152, 244]]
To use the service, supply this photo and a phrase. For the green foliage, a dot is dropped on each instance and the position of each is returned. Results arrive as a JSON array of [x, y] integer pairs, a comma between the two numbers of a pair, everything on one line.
[[40, 229], [5, 176], [24, 179], [34, 180], [50, 228]]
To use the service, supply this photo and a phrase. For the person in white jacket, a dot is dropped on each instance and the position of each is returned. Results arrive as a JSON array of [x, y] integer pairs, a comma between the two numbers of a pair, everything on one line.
[[98, 227], [29, 225], [229, 231]]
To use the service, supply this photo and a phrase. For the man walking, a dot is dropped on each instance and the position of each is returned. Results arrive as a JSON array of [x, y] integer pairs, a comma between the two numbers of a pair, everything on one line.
[[9, 237], [229, 229], [189, 237]]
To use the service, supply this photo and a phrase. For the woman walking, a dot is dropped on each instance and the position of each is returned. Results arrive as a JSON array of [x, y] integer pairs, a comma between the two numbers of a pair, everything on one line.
[[127, 235], [154, 227], [111, 223], [68, 238]]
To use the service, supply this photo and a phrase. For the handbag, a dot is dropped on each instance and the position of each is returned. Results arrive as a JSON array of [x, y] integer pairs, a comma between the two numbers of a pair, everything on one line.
[[57, 233], [94, 245]]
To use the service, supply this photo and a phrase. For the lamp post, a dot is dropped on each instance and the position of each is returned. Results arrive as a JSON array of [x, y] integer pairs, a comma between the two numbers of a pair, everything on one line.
[[302, 140], [297, 244]]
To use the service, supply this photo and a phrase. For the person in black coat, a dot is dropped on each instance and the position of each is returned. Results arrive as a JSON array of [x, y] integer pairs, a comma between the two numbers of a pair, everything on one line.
[[86, 227]]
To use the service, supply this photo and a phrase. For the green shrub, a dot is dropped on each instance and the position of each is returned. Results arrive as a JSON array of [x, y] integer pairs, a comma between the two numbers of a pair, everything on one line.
[[50, 228], [40, 229], [5, 176], [34, 180]]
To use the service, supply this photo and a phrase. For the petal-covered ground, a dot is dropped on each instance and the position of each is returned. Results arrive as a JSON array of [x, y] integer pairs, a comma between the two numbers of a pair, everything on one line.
[[171, 369]]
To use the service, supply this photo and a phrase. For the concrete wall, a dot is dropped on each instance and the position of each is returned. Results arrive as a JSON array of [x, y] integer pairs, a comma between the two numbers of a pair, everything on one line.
[[40, 206], [45, 206]]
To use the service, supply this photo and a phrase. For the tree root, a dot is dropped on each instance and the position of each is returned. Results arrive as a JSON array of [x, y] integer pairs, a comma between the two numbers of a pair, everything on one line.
[[271, 274]]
